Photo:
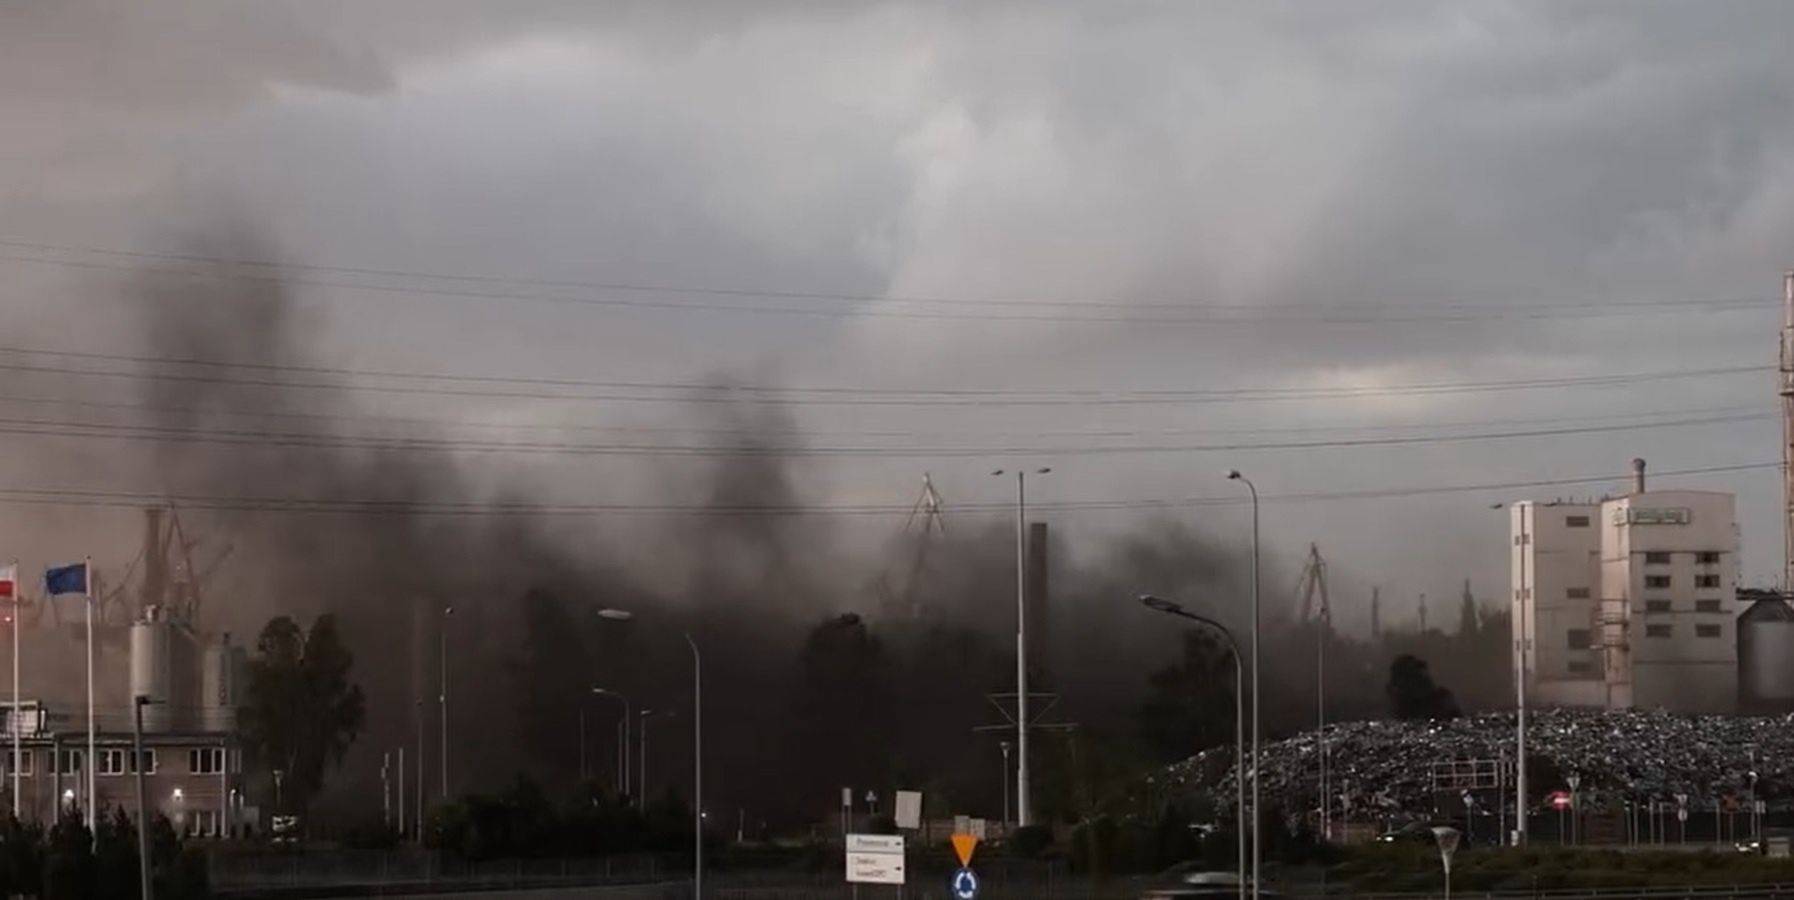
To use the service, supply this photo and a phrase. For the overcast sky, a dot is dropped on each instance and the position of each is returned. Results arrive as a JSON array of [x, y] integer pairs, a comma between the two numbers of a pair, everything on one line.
[[1102, 197]]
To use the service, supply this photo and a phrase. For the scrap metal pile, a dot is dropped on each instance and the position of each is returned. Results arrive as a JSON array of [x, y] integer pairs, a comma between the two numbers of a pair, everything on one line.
[[1621, 756]]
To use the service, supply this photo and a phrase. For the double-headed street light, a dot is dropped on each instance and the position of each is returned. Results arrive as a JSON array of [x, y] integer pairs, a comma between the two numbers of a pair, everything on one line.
[[1239, 714], [697, 740], [1023, 806]]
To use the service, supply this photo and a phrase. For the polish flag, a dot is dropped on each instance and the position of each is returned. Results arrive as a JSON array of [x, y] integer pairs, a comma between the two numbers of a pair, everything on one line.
[[9, 580]]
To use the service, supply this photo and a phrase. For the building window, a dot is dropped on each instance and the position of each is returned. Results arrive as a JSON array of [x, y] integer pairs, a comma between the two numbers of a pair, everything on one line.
[[205, 823], [205, 760], [1707, 631], [1707, 557], [68, 762], [1657, 558], [1656, 581], [112, 762], [1706, 606], [21, 762], [1580, 667], [1576, 593], [1656, 606], [1577, 639], [1575, 521], [1706, 581], [1657, 631]]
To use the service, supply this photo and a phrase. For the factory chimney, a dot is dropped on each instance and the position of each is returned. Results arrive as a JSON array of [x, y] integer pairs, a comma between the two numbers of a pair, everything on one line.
[[1638, 482]]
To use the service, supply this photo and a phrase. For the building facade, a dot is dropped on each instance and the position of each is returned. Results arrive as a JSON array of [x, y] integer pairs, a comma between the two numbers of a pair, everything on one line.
[[1628, 602], [193, 779]]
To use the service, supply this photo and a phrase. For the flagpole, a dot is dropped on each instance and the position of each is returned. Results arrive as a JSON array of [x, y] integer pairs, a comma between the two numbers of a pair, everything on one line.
[[93, 796], [13, 720]]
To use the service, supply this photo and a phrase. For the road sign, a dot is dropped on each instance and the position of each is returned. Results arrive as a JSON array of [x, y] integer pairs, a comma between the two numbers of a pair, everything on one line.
[[965, 885], [846, 797], [978, 829], [1560, 800], [909, 809], [963, 845], [1681, 815], [875, 858]]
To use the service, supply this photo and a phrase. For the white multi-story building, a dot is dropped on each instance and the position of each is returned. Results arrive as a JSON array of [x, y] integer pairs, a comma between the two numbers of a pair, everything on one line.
[[1628, 603]]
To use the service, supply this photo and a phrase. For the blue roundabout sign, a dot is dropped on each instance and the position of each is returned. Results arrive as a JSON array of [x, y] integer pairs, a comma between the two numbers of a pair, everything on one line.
[[965, 884]]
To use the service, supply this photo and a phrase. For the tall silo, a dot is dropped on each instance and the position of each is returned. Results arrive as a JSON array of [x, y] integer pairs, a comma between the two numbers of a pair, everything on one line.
[[1766, 655]]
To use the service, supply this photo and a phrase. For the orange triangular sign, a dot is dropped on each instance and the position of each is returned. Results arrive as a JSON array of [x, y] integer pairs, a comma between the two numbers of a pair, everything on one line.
[[963, 845]]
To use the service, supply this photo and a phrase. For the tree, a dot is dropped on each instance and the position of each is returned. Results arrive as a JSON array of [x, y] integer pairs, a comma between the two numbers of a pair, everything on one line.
[[552, 675], [843, 725], [1413, 695], [1190, 703], [303, 712]]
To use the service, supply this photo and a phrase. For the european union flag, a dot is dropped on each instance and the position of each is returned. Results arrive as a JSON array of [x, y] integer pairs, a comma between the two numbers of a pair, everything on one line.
[[66, 579]]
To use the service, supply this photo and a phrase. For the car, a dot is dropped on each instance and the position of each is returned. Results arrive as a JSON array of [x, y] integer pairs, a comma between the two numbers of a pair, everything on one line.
[[1416, 832], [1188, 881]]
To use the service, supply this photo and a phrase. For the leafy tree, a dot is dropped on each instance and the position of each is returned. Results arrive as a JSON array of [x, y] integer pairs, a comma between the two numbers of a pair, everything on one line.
[[1413, 695], [844, 730], [303, 712], [1190, 703], [552, 675]]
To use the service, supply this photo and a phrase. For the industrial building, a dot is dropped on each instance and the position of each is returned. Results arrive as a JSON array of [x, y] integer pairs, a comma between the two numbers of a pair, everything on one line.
[[147, 643], [1628, 601]]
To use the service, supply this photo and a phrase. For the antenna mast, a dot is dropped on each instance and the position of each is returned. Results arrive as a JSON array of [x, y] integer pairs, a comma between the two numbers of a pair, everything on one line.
[[1787, 392]]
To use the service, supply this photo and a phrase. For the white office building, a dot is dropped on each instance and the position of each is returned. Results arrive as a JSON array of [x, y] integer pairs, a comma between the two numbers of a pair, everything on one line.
[[1628, 602]]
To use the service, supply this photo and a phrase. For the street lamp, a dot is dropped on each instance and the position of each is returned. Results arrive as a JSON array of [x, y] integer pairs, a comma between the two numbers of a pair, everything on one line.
[[1257, 850], [137, 766], [1239, 714], [447, 611], [1023, 807], [697, 740], [1521, 596], [622, 738]]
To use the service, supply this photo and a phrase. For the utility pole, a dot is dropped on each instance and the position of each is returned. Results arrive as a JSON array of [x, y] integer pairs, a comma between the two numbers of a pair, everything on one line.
[[1787, 392]]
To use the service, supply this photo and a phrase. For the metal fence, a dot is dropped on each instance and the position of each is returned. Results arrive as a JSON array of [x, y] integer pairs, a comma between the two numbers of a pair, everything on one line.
[[417, 871]]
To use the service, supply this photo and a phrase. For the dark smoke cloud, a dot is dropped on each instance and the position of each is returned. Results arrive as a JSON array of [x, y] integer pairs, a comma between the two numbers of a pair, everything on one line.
[[750, 590]]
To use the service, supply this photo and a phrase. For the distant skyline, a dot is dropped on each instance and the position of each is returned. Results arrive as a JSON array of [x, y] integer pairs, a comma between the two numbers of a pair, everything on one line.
[[1354, 205]]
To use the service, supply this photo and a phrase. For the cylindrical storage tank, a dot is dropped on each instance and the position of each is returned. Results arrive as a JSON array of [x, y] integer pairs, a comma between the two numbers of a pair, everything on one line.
[[152, 668], [218, 687], [1766, 655]]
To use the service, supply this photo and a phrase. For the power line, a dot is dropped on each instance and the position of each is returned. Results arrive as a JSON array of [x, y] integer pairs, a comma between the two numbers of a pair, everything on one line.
[[692, 392], [77, 498], [339, 418], [303, 440], [874, 305]]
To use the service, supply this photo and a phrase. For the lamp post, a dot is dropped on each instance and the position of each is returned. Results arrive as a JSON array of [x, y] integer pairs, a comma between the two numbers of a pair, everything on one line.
[[1257, 850], [1239, 715], [697, 740], [1005, 779], [1522, 594], [1023, 807], [137, 765], [447, 612], [622, 738]]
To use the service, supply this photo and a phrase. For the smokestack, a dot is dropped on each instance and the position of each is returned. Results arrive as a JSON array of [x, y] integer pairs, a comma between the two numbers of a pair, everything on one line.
[[1638, 482]]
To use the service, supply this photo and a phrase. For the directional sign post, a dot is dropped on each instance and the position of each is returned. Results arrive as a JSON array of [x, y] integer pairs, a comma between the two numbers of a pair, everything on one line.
[[1448, 845], [875, 859], [964, 884]]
